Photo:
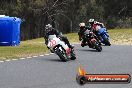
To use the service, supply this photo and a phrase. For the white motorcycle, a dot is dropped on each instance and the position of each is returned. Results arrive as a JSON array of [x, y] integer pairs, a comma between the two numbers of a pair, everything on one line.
[[60, 48]]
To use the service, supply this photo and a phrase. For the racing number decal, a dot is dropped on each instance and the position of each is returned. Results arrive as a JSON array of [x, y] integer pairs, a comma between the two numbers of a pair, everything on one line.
[[53, 43]]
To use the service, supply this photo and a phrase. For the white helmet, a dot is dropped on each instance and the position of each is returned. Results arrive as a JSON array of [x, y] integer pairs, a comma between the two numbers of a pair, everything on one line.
[[91, 20], [49, 25], [82, 25]]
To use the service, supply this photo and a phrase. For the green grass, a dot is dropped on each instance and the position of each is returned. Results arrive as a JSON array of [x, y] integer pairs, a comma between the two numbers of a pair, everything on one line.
[[121, 36], [37, 47], [73, 37], [26, 48]]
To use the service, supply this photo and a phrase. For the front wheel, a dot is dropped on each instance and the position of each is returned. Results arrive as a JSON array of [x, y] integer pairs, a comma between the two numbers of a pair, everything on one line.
[[107, 42], [62, 55], [97, 46], [73, 55]]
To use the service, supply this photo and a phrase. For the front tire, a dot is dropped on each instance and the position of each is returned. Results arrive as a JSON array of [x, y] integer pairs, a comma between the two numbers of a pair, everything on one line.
[[107, 42], [62, 55], [97, 46], [73, 55]]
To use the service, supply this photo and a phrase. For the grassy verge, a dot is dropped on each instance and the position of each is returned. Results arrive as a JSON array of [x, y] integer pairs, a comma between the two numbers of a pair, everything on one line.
[[121, 36], [37, 47], [26, 48], [73, 37]]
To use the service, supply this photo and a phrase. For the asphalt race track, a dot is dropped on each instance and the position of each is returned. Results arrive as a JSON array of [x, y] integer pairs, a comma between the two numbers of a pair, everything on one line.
[[50, 72]]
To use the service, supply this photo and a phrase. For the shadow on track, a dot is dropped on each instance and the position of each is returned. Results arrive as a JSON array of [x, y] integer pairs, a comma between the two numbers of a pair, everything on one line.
[[53, 60], [105, 45], [87, 50]]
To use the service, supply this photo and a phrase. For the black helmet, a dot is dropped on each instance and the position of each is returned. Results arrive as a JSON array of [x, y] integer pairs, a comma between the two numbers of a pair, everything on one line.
[[48, 27]]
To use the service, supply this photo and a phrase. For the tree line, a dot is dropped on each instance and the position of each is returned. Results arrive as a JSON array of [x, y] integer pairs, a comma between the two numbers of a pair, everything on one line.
[[65, 15]]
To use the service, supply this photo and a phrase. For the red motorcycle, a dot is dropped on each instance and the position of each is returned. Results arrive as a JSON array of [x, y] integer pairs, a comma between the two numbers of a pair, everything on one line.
[[92, 41]]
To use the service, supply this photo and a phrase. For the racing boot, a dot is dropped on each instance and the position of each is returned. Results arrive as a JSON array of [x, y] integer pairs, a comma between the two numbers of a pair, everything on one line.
[[99, 42], [98, 39], [70, 46], [67, 42], [82, 45]]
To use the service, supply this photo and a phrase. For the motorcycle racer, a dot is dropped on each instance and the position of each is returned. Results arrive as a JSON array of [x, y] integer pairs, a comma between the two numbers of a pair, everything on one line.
[[82, 33], [49, 30], [100, 30], [96, 26]]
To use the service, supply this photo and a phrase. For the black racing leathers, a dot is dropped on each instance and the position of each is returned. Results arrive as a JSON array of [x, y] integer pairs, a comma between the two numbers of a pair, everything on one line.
[[82, 35]]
